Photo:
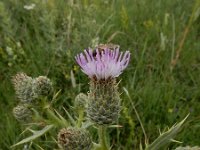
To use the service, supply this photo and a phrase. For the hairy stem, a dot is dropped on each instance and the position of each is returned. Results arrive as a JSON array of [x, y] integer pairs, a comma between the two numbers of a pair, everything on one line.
[[51, 115], [102, 138], [80, 118]]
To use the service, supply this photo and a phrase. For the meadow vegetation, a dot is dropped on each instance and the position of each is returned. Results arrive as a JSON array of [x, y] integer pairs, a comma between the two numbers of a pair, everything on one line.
[[162, 78]]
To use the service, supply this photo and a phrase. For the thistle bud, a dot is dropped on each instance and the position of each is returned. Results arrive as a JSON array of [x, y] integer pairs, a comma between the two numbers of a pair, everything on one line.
[[42, 86], [104, 102], [74, 139], [23, 87], [81, 101], [22, 113]]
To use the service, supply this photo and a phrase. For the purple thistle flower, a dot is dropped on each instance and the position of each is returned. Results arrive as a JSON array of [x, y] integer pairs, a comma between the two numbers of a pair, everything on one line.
[[103, 64]]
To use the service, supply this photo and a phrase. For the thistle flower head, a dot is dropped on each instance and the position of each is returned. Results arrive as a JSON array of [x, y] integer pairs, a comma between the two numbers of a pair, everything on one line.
[[103, 64]]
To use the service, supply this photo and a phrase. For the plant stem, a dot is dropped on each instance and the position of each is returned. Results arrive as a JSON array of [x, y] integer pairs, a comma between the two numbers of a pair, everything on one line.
[[54, 118], [102, 138], [80, 118]]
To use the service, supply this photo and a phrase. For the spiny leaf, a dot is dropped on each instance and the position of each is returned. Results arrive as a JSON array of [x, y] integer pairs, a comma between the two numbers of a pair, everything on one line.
[[35, 135], [166, 137]]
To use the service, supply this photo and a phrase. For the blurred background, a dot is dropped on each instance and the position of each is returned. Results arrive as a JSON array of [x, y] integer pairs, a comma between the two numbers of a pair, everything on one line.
[[41, 37]]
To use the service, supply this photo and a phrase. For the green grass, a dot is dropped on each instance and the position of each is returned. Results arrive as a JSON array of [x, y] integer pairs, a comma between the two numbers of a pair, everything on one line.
[[44, 41]]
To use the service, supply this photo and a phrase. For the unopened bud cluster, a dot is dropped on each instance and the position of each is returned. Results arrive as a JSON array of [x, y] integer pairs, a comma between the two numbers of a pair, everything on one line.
[[28, 90], [74, 139]]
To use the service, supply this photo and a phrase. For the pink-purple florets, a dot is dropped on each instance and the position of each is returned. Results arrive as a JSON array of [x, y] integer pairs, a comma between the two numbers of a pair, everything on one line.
[[103, 64]]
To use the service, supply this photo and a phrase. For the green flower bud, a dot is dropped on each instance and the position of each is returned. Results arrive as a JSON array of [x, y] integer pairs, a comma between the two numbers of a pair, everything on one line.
[[42, 86], [22, 113], [104, 101], [23, 87], [74, 139], [80, 101]]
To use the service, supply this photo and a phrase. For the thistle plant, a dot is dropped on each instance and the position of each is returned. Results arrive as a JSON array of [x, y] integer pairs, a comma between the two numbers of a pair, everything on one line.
[[103, 66], [99, 109]]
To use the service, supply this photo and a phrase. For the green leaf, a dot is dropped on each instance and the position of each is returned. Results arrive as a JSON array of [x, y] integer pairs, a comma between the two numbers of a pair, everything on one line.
[[70, 117], [54, 99], [115, 126], [35, 135], [166, 137], [87, 124], [65, 123]]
